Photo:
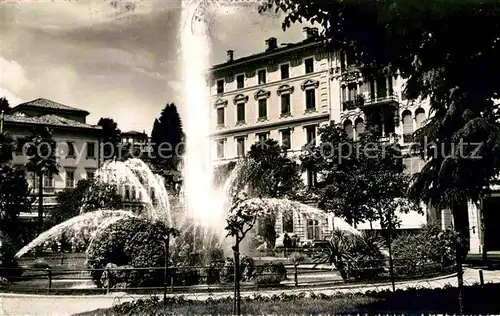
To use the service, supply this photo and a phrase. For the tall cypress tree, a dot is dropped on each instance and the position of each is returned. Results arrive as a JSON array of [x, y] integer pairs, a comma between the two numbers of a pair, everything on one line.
[[167, 137], [110, 137]]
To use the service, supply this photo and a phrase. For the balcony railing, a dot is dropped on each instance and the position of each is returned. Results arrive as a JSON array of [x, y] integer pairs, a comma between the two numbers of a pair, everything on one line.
[[368, 100], [358, 102]]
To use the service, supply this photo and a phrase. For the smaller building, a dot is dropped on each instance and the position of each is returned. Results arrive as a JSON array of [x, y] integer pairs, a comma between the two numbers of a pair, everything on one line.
[[77, 143], [135, 144]]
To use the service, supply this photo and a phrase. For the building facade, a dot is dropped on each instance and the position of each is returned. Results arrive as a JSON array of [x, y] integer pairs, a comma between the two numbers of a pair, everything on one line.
[[289, 90], [78, 143]]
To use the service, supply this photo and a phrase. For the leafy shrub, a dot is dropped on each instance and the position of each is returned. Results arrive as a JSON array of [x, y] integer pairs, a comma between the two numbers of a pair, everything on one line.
[[214, 272], [272, 268], [428, 247], [247, 268], [186, 276], [354, 256], [267, 280], [131, 242], [297, 258], [9, 266], [40, 264]]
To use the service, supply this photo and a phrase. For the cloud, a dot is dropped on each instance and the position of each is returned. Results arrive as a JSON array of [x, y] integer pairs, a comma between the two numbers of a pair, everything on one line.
[[176, 85], [12, 80], [67, 15]]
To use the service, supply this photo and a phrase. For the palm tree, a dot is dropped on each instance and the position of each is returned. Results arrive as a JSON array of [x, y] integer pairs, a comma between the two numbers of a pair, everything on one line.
[[353, 255], [42, 161]]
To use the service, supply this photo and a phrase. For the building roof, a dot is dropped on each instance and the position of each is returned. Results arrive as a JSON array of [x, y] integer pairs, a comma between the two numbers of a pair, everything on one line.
[[48, 104], [49, 120], [285, 48]]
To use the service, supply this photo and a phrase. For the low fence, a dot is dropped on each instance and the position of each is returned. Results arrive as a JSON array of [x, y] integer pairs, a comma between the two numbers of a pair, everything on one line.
[[58, 278]]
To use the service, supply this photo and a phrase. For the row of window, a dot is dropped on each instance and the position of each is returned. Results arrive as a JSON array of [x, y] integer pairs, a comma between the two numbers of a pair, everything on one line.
[[409, 125], [286, 141], [90, 150], [381, 87], [286, 107], [48, 180], [71, 149], [262, 75]]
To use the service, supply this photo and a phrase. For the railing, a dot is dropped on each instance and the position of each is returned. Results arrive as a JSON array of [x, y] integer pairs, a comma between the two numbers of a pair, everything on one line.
[[218, 277], [385, 99]]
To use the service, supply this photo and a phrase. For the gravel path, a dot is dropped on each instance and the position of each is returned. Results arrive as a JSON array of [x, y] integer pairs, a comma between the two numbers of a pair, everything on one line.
[[23, 304]]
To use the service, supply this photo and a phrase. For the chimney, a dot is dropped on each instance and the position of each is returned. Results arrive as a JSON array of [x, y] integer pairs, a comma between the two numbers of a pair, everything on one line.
[[230, 55], [271, 43]]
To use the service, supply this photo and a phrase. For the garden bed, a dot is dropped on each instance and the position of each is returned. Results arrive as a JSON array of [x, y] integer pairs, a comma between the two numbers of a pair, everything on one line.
[[476, 300]]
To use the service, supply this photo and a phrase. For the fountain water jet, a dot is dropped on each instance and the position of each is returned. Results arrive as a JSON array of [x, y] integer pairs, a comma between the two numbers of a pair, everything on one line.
[[204, 203], [84, 224]]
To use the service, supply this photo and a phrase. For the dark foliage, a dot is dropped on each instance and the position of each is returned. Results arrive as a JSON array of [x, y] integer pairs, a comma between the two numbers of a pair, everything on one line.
[[167, 138], [270, 172], [427, 246], [6, 148], [131, 242], [4, 105], [14, 199], [8, 263], [88, 195], [424, 43], [359, 180], [110, 137]]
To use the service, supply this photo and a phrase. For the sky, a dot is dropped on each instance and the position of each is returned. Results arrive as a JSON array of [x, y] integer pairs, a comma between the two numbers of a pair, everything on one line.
[[114, 58]]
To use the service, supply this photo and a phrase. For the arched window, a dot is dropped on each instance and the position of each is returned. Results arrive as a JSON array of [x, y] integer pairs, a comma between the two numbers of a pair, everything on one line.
[[419, 117], [407, 126], [348, 128], [360, 127]]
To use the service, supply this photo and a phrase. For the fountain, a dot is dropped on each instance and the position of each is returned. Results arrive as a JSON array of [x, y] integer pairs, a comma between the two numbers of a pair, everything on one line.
[[203, 206]]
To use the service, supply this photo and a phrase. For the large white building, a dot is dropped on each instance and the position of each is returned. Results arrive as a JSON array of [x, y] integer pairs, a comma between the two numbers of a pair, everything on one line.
[[288, 90]]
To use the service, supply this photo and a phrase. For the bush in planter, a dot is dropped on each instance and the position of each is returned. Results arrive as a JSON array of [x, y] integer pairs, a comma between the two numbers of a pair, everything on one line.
[[267, 280], [430, 246], [186, 276], [273, 268], [214, 272], [354, 256], [247, 268], [131, 242], [40, 264], [297, 258]]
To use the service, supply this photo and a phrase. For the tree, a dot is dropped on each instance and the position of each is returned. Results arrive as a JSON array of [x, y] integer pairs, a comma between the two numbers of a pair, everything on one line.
[[359, 180], [430, 44], [6, 148], [14, 199], [110, 137], [167, 138], [4, 105], [100, 195], [240, 220], [42, 161], [270, 172], [88, 195]]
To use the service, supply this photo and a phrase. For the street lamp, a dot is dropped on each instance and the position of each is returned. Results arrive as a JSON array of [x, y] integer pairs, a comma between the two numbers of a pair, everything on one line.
[[166, 240]]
